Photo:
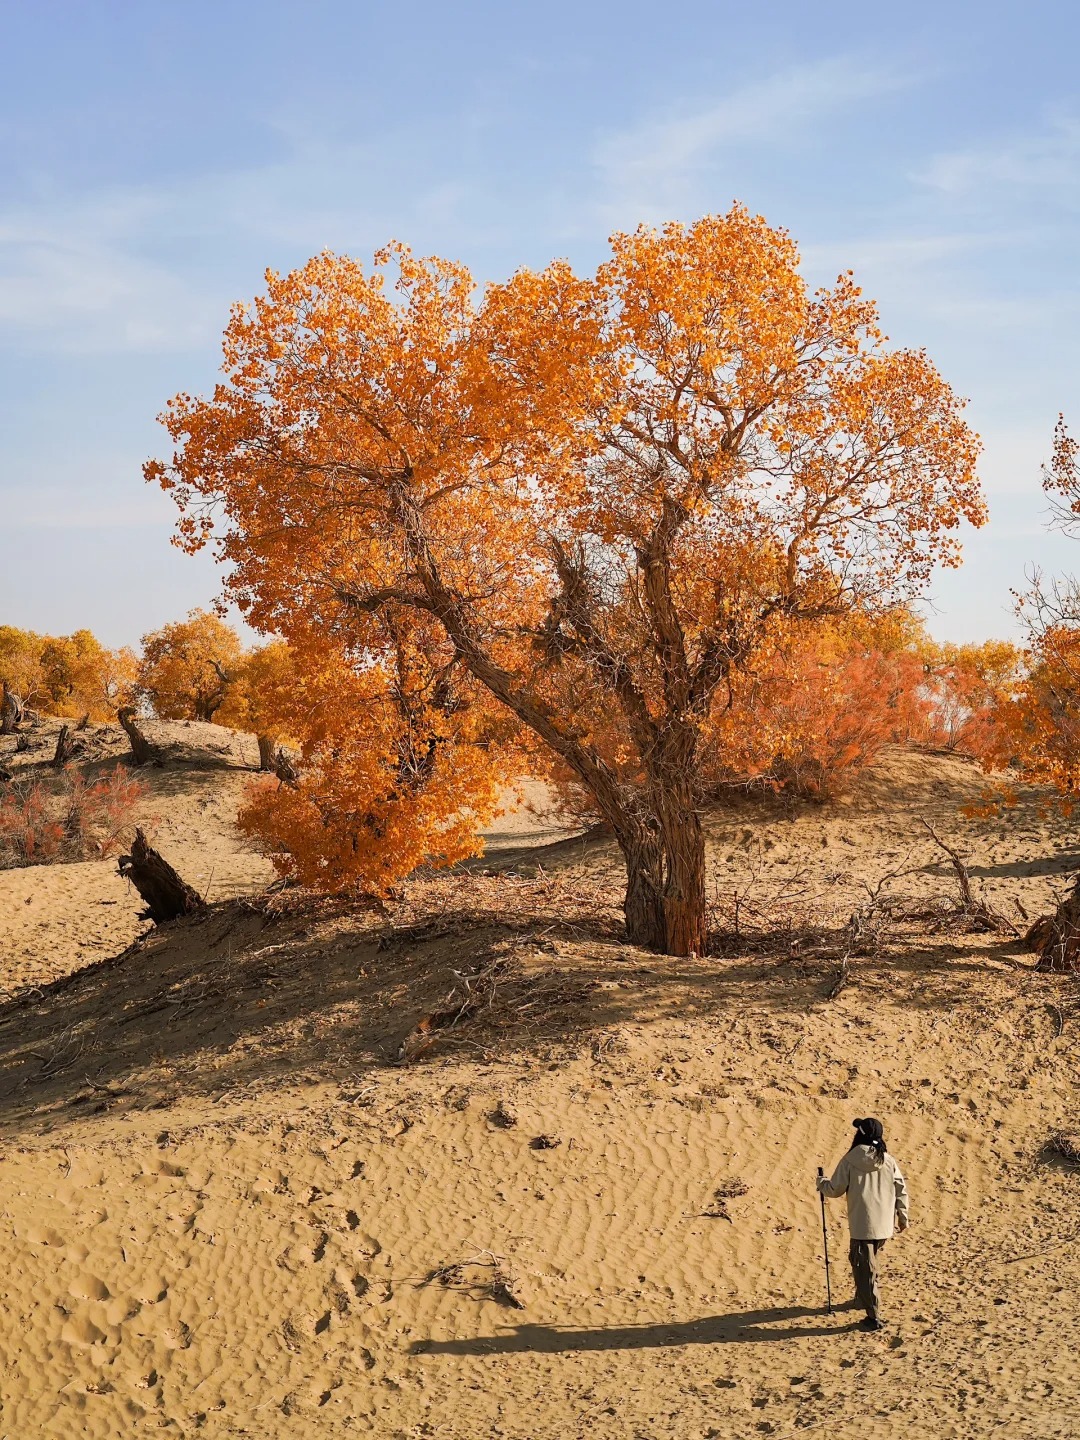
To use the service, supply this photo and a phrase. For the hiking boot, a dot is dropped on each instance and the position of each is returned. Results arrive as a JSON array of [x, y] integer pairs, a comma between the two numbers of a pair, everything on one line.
[[871, 1323]]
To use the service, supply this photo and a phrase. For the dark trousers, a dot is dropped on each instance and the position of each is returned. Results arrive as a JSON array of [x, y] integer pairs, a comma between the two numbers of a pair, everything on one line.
[[864, 1271]]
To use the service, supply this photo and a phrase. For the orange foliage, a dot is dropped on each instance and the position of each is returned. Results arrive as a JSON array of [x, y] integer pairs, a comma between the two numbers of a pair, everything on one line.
[[265, 693], [1039, 733], [66, 675], [971, 691], [188, 665], [70, 819], [389, 749], [594, 501], [820, 710]]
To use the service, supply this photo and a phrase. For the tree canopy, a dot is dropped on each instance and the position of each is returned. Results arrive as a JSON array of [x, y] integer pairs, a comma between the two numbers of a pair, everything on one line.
[[559, 518]]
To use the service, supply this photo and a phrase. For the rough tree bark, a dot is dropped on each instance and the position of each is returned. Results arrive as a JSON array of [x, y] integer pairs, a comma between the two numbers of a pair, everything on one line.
[[285, 770], [167, 896], [266, 752], [66, 746], [141, 751]]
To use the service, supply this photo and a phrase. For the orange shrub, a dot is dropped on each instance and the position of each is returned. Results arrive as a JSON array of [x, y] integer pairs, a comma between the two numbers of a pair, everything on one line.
[[820, 709], [70, 819]]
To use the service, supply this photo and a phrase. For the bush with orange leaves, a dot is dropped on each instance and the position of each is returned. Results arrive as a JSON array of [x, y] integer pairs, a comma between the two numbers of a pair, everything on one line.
[[388, 749], [971, 692], [1038, 737], [820, 711], [71, 818]]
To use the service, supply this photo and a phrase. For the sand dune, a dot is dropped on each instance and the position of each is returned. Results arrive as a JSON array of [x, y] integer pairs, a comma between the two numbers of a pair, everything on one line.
[[227, 1210]]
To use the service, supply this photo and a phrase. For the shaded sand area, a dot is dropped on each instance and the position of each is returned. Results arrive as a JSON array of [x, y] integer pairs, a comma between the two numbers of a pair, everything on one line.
[[228, 1210]]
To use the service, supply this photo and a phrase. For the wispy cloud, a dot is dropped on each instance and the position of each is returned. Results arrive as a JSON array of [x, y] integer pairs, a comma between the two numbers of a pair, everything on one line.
[[655, 164], [125, 269], [1048, 159]]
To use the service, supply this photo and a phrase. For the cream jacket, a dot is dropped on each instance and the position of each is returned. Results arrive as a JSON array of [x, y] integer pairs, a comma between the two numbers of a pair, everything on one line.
[[876, 1193]]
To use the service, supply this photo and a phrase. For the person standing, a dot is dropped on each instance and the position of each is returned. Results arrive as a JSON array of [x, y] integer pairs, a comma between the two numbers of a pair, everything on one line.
[[877, 1204]]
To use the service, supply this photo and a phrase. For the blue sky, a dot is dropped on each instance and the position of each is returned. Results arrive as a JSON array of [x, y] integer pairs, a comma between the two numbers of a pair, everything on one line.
[[156, 158]]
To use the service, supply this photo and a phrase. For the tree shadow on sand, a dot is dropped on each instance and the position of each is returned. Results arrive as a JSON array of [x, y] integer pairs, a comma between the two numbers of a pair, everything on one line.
[[246, 996], [741, 1327]]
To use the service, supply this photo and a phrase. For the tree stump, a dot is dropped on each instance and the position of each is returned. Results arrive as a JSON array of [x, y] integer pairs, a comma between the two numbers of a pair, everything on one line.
[[1057, 938], [167, 896], [141, 751], [66, 746]]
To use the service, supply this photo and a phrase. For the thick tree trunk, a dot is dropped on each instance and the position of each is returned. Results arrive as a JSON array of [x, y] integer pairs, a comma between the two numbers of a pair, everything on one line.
[[685, 920], [166, 895], [266, 752], [665, 885], [141, 752], [644, 904]]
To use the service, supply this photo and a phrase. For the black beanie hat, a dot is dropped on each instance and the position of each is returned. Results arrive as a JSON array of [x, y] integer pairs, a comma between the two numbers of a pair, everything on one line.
[[870, 1132]]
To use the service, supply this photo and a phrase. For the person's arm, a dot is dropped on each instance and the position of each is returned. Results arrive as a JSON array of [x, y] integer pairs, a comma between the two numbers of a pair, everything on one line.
[[901, 1191], [838, 1185]]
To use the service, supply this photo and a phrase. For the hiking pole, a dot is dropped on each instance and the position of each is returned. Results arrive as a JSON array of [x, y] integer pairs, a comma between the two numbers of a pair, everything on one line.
[[825, 1237]]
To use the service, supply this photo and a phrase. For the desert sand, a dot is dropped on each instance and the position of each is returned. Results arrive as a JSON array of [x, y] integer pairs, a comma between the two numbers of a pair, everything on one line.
[[229, 1210]]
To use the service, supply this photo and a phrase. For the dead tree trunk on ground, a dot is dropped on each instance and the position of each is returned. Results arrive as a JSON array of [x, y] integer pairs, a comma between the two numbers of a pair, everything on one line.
[[167, 896], [141, 752], [66, 746], [1056, 939]]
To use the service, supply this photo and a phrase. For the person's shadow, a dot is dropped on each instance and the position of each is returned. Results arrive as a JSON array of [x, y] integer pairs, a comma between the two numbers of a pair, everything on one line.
[[742, 1327]]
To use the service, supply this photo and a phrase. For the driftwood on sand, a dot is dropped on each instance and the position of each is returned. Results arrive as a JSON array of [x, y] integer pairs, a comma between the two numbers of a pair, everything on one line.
[[167, 896]]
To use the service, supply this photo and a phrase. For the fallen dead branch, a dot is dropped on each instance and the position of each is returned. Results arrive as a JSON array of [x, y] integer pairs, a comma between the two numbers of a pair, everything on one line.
[[499, 1285], [727, 1190], [971, 912], [470, 993], [1065, 1146]]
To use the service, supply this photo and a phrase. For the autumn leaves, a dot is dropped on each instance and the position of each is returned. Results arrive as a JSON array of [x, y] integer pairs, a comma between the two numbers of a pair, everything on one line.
[[559, 525]]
